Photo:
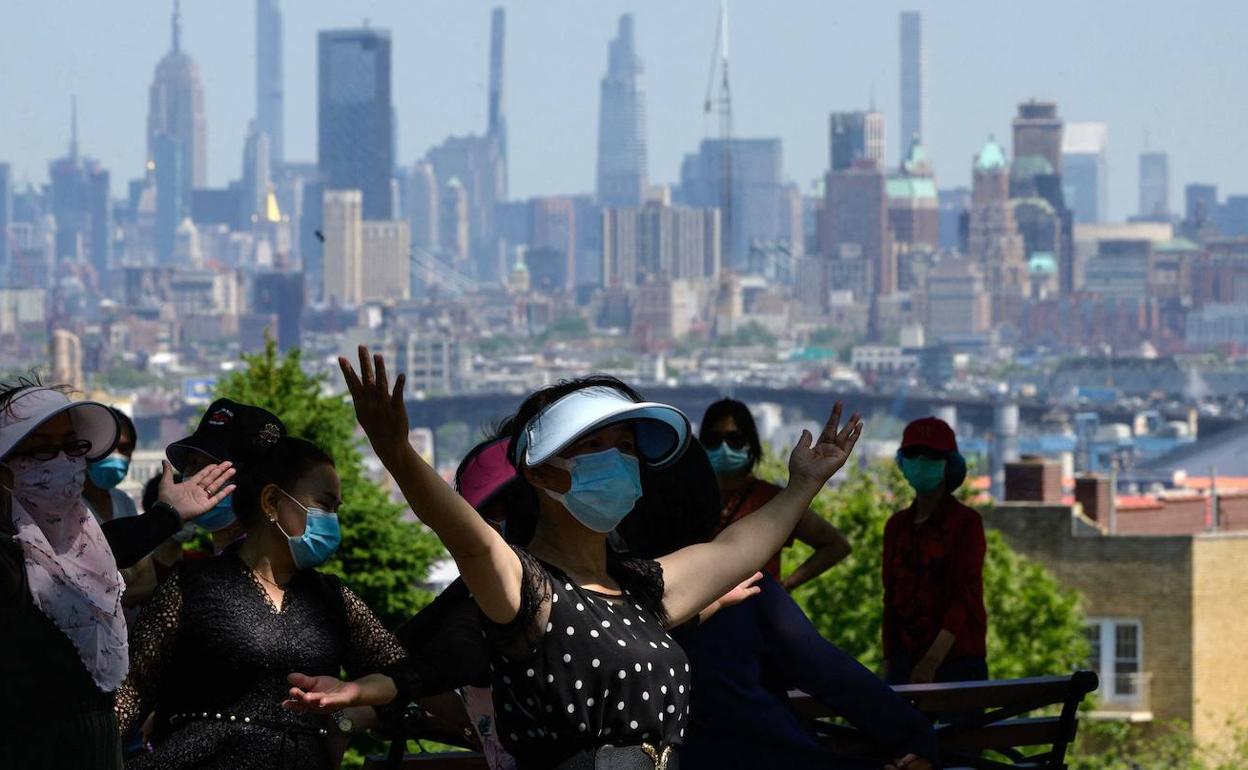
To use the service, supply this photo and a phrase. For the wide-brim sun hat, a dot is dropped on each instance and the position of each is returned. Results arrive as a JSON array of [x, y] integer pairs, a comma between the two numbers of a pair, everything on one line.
[[27, 410], [662, 431]]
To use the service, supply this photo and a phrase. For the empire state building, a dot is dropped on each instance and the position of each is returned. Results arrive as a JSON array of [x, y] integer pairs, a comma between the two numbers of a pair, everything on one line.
[[176, 141]]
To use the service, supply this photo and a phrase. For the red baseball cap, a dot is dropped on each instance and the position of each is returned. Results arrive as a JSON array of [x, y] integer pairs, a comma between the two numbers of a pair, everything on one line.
[[930, 432]]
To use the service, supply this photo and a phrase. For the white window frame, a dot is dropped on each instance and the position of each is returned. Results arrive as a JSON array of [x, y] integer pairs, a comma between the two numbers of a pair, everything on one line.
[[1107, 665]]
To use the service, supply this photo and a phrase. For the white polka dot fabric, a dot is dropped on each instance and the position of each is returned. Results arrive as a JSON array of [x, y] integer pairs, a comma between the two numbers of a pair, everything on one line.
[[604, 672]]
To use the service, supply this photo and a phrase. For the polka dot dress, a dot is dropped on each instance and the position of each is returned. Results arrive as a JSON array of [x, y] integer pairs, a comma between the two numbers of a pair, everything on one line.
[[603, 670]]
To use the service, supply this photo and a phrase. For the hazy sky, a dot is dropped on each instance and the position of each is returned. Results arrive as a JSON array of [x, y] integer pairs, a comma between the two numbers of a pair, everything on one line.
[[1173, 70]]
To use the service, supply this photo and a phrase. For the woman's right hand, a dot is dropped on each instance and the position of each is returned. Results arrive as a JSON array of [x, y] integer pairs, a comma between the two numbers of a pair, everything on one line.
[[379, 409]]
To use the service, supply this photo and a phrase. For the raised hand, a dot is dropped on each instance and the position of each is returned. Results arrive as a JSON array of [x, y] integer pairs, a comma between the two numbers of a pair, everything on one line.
[[320, 694], [815, 463], [378, 408], [198, 494]]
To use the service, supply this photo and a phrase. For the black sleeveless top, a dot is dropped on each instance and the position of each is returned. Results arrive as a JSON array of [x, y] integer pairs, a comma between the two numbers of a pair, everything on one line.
[[601, 671]]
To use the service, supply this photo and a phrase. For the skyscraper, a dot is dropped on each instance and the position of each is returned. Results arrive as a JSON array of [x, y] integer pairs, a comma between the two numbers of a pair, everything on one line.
[[257, 156], [912, 91], [270, 116], [1154, 186], [854, 136], [757, 189], [343, 228], [993, 241], [176, 137], [1200, 201], [622, 174], [176, 109], [497, 129], [1038, 131], [453, 222], [1085, 171], [81, 205], [6, 216], [422, 206], [858, 242], [355, 137]]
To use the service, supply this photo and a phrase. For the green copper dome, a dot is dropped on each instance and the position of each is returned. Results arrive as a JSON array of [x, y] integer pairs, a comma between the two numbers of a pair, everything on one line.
[[991, 157]]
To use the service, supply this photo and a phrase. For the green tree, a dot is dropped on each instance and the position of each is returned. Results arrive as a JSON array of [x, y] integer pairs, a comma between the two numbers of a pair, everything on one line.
[[1035, 626], [382, 557]]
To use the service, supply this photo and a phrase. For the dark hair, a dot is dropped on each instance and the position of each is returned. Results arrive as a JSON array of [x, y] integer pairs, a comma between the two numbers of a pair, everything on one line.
[[740, 414], [282, 463], [681, 506], [548, 395], [11, 390], [124, 424], [151, 490]]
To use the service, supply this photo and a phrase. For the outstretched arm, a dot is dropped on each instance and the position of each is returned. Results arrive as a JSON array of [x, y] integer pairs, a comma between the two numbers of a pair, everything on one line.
[[488, 565], [694, 577]]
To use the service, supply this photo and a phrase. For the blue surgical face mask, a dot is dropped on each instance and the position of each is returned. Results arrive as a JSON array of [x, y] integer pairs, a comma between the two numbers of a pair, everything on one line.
[[218, 516], [109, 471], [924, 474], [320, 538], [725, 460], [605, 487]]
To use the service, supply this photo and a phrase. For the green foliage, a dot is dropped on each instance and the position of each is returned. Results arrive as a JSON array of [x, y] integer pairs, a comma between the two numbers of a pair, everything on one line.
[[1034, 625], [569, 327], [382, 556], [1162, 746], [752, 333]]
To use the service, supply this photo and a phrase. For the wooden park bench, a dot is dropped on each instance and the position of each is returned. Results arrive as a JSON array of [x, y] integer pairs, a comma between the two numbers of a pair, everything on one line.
[[992, 716]]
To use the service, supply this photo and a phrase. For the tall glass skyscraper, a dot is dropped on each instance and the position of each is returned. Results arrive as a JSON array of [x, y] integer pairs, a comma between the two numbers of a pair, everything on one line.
[[622, 175], [355, 116], [269, 97], [911, 78]]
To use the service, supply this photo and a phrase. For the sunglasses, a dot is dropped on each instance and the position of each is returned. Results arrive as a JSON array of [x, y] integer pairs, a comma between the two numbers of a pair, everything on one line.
[[734, 439], [45, 452]]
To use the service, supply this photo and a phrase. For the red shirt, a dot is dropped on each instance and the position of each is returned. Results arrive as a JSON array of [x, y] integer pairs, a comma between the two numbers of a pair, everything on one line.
[[754, 495], [934, 579]]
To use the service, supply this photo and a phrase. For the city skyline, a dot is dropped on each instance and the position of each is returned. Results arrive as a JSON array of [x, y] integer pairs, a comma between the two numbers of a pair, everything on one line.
[[971, 89]]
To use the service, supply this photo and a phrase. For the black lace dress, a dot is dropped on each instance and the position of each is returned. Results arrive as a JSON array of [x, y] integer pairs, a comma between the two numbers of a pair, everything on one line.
[[211, 653], [578, 669]]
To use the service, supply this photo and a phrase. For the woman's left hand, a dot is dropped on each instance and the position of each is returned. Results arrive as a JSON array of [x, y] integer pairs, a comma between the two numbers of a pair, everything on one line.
[[320, 694], [198, 494], [814, 463]]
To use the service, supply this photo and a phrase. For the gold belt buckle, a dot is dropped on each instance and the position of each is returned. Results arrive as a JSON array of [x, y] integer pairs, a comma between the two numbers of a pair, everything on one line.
[[658, 758]]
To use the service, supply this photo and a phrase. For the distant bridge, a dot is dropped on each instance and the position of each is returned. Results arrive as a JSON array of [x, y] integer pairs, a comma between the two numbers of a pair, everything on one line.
[[479, 410]]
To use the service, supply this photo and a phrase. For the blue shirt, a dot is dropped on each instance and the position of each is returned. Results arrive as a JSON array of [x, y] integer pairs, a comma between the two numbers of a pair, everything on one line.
[[746, 658]]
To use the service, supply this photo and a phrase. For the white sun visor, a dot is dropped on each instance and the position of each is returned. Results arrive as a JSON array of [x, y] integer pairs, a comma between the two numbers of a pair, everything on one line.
[[93, 421], [662, 430]]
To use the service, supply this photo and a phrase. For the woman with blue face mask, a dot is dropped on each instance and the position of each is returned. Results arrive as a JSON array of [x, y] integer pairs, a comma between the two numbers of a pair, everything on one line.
[[935, 624], [584, 672], [238, 655], [732, 444]]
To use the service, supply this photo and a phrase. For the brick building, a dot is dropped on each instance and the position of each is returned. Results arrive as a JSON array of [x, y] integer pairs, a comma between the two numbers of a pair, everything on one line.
[[1166, 614]]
